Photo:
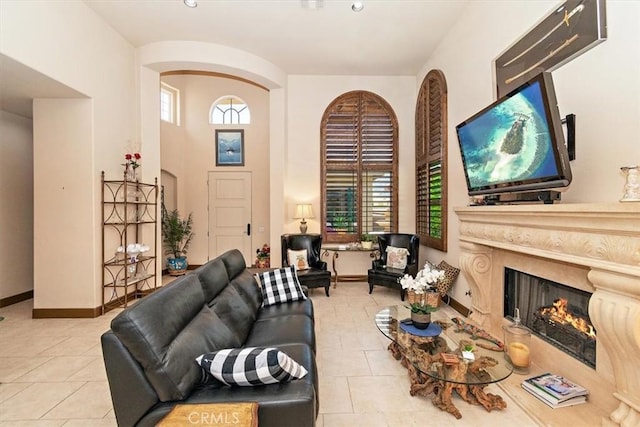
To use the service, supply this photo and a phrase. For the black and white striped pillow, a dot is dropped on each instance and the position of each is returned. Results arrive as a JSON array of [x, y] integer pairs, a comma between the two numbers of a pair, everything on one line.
[[251, 366], [280, 286]]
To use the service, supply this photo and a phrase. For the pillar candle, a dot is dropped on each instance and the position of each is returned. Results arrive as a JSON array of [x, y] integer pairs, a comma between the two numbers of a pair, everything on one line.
[[519, 354]]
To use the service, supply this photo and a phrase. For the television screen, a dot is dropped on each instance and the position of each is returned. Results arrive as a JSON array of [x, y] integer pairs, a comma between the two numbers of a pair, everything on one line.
[[516, 144]]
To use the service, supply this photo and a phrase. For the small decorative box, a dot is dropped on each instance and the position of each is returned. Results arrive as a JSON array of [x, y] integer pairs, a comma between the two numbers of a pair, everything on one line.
[[449, 359]]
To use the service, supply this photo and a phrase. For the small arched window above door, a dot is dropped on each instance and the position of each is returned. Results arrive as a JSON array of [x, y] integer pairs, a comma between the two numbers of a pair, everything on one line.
[[229, 110]]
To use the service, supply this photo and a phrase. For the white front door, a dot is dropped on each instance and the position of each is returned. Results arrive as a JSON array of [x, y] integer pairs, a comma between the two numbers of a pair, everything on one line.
[[230, 213]]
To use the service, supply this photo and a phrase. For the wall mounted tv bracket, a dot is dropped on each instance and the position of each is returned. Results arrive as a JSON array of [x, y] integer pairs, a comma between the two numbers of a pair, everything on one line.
[[570, 122]]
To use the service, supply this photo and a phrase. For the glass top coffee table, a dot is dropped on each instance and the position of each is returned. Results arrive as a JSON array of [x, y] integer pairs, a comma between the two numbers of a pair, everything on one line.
[[435, 360]]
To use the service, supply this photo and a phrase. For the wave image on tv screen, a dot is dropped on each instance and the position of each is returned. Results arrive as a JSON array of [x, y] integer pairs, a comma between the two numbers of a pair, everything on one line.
[[510, 142]]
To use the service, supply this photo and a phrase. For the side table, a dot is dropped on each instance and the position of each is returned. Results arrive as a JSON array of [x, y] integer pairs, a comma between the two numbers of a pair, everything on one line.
[[335, 249]]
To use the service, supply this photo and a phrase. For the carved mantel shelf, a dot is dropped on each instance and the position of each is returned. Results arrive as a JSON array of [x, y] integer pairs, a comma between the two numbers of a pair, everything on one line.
[[605, 238]]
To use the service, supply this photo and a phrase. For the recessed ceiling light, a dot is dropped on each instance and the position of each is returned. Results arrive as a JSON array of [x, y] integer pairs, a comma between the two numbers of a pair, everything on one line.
[[357, 6], [191, 3], [312, 4]]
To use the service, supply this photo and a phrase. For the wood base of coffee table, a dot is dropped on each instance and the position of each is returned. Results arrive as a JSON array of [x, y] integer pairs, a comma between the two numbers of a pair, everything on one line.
[[425, 385]]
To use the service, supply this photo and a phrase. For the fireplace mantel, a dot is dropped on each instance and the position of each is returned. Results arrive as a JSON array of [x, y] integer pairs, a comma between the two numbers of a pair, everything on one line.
[[603, 239]]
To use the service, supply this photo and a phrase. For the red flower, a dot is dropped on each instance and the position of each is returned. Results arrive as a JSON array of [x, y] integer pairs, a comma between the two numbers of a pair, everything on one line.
[[127, 156], [137, 156]]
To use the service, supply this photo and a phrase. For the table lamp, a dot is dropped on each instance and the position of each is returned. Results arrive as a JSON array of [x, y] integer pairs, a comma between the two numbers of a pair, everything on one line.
[[303, 211]]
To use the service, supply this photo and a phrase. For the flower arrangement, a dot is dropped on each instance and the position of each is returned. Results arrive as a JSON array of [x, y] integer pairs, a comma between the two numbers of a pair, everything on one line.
[[420, 285], [132, 250], [263, 257], [133, 160]]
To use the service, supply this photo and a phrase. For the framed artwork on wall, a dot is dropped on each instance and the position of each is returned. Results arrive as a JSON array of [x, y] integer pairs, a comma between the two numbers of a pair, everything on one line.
[[230, 147], [570, 29]]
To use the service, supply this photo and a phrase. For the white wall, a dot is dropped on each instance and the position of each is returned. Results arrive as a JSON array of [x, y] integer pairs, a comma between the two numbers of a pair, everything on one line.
[[16, 206], [308, 97], [68, 42], [602, 87], [63, 198]]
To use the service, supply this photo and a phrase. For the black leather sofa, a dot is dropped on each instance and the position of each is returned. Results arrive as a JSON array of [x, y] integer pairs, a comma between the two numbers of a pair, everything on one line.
[[150, 350]]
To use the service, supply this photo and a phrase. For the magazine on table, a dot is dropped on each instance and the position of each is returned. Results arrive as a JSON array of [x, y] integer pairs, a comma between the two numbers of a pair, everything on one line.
[[557, 387], [547, 399]]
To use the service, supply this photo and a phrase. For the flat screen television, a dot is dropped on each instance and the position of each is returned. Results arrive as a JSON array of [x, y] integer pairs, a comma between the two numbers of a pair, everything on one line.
[[516, 144]]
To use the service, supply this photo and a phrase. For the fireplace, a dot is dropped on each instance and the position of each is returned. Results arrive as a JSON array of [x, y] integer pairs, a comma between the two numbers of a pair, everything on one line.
[[554, 312], [590, 247]]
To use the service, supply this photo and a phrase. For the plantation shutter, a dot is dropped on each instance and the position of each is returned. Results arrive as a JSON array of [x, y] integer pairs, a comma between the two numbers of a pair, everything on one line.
[[359, 140], [431, 158]]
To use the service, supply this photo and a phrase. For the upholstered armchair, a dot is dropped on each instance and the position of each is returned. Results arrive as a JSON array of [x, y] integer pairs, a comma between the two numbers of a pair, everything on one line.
[[313, 273], [382, 272]]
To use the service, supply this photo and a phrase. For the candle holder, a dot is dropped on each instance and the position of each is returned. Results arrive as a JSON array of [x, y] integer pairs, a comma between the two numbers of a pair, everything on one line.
[[517, 345], [632, 185]]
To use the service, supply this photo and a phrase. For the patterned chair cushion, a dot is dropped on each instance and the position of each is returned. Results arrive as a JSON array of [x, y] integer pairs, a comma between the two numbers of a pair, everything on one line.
[[298, 259], [397, 257]]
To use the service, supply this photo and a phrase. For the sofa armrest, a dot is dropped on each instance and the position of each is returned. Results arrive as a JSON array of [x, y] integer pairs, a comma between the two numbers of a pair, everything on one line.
[[412, 270], [131, 393]]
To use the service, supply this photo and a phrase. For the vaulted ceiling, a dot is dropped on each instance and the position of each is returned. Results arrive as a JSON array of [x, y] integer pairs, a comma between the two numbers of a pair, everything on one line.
[[386, 38]]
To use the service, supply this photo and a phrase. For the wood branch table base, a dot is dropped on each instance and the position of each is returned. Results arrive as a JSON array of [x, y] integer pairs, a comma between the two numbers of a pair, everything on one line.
[[431, 376]]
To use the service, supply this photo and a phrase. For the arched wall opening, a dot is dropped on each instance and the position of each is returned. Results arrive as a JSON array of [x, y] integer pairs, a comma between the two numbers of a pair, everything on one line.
[[198, 57]]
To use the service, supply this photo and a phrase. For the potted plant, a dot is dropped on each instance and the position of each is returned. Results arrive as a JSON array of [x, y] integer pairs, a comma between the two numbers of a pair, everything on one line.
[[367, 241], [340, 223], [421, 314], [418, 290], [467, 352], [263, 257], [176, 236]]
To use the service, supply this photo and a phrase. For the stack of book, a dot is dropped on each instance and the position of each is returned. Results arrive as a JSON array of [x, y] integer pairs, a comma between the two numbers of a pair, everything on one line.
[[555, 390]]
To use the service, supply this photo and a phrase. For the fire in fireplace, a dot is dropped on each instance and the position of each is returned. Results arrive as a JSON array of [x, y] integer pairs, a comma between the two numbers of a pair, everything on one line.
[[554, 312]]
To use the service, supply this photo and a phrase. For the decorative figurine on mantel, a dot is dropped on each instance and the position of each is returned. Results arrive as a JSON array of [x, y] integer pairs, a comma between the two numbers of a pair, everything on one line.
[[632, 186]]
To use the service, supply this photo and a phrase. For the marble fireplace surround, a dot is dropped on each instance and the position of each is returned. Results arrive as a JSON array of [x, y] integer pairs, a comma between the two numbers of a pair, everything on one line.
[[593, 247]]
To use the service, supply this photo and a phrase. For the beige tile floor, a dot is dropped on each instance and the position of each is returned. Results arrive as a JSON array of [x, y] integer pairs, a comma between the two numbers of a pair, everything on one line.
[[52, 374]]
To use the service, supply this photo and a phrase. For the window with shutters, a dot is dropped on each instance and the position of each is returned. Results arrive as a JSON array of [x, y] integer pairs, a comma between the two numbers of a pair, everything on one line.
[[359, 144], [431, 161]]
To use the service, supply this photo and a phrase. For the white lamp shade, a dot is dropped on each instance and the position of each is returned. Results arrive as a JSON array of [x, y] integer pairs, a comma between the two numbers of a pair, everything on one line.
[[303, 211]]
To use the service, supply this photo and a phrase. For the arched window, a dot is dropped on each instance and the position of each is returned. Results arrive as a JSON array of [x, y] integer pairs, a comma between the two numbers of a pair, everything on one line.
[[229, 110], [359, 145], [431, 161]]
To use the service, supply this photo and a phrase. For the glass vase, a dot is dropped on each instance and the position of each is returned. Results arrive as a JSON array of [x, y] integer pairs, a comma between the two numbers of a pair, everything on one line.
[[131, 174]]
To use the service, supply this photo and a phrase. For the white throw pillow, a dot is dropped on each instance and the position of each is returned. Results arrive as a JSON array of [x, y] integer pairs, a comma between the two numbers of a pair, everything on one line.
[[298, 259], [397, 257], [251, 366]]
